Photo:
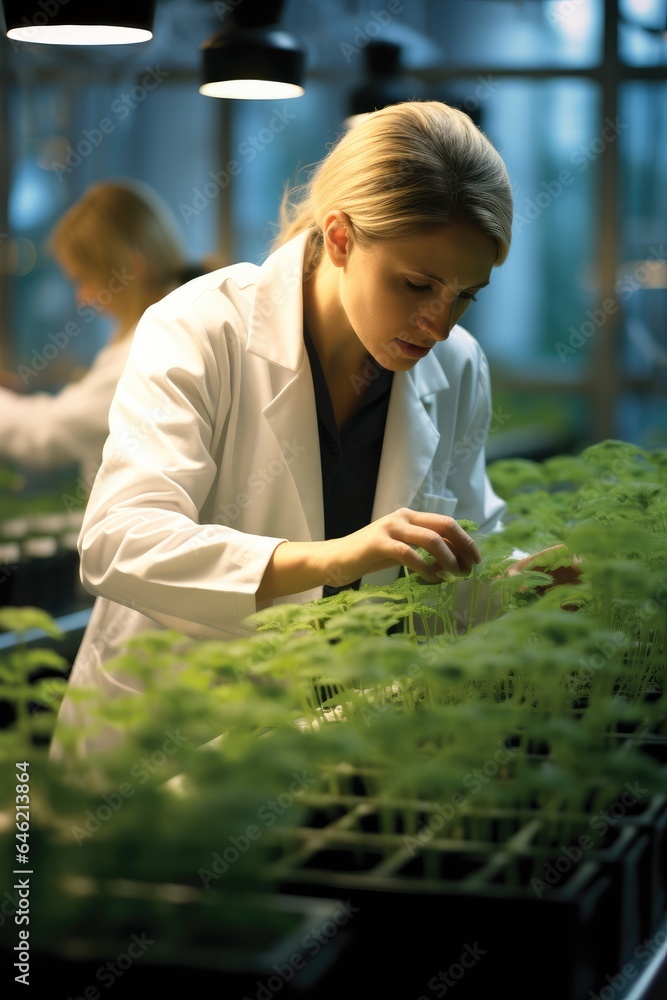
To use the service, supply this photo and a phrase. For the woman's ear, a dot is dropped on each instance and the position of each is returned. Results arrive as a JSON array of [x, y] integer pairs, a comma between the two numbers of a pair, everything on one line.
[[338, 237]]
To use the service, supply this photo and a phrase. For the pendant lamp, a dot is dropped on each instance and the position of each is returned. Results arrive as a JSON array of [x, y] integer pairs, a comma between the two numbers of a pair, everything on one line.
[[253, 58], [385, 83], [79, 22]]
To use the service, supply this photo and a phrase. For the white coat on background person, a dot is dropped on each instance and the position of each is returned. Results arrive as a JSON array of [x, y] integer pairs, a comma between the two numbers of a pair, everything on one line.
[[120, 247], [41, 430], [209, 502]]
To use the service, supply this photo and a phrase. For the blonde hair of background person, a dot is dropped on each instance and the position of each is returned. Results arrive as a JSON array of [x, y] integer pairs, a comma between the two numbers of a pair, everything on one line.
[[223, 509], [121, 248]]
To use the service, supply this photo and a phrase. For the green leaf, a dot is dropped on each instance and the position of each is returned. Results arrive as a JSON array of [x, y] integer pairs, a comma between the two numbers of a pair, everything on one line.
[[22, 620]]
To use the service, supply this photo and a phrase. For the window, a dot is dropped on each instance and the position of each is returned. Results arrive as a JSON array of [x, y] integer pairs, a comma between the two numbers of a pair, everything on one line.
[[572, 92]]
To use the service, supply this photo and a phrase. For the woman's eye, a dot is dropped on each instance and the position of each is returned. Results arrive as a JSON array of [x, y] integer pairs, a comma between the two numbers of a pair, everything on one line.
[[416, 288], [468, 297]]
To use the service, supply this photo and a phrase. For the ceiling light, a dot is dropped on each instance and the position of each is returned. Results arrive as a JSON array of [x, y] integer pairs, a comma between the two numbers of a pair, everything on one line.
[[253, 58], [79, 22], [386, 83]]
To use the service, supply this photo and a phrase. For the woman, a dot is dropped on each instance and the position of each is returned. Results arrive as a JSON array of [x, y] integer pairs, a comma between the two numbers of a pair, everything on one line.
[[122, 250], [316, 421]]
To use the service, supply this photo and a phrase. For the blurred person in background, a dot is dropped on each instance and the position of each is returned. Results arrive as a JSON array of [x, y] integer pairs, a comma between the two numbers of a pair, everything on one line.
[[121, 248]]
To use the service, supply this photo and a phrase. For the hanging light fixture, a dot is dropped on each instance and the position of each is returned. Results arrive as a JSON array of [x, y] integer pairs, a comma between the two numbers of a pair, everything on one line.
[[253, 57], [79, 22], [386, 83]]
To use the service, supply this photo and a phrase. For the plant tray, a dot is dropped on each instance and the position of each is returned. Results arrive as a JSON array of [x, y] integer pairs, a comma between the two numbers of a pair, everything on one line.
[[157, 937], [451, 898]]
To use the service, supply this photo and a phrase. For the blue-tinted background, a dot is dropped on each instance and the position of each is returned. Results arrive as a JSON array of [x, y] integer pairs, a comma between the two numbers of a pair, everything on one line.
[[578, 111]]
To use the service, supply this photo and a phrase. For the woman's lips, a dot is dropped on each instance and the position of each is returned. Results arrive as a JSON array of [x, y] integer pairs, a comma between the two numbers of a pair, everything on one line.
[[411, 349]]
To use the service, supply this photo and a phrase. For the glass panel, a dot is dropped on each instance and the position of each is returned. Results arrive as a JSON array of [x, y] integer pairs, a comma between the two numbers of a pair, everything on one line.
[[273, 144], [642, 418], [537, 424], [66, 136], [529, 33], [642, 36], [550, 138], [548, 133], [642, 274]]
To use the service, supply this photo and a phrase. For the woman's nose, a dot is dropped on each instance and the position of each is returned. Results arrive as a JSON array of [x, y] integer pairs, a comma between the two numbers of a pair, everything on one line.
[[437, 317]]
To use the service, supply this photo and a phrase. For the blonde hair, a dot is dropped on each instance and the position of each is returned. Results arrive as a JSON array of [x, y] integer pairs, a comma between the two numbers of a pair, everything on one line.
[[403, 169], [113, 218]]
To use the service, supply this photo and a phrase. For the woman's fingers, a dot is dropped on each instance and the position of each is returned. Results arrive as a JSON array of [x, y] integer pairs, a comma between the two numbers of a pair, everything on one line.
[[451, 548], [528, 562], [429, 544], [569, 573]]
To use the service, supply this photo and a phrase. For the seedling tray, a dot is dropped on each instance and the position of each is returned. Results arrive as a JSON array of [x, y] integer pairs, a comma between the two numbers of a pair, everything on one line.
[[425, 907], [172, 950]]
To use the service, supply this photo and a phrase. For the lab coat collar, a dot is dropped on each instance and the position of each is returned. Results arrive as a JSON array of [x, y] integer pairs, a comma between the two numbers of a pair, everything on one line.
[[276, 333], [410, 438], [276, 323]]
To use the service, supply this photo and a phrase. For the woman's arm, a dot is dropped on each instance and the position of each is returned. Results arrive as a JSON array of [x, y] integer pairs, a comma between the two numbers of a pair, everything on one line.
[[390, 541], [43, 431]]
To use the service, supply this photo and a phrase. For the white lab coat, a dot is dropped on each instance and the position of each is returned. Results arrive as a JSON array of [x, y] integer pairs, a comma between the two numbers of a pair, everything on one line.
[[213, 459], [44, 431]]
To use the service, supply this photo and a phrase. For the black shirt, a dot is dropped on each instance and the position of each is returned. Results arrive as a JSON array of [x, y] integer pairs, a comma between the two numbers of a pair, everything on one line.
[[350, 457]]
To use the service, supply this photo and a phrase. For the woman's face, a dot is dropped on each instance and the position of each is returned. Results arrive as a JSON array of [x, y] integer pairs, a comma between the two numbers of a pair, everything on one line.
[[90, 289], [401, 297]]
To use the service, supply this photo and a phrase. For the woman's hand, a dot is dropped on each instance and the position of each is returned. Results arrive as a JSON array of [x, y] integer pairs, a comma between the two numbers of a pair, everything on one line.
[[392, 540], [560, 574]]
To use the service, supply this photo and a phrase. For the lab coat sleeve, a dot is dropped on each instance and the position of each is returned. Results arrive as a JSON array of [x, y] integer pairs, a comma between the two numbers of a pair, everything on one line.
[[42, 431], [463, 470], [460, 476], [476, 491], [142, 544]]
